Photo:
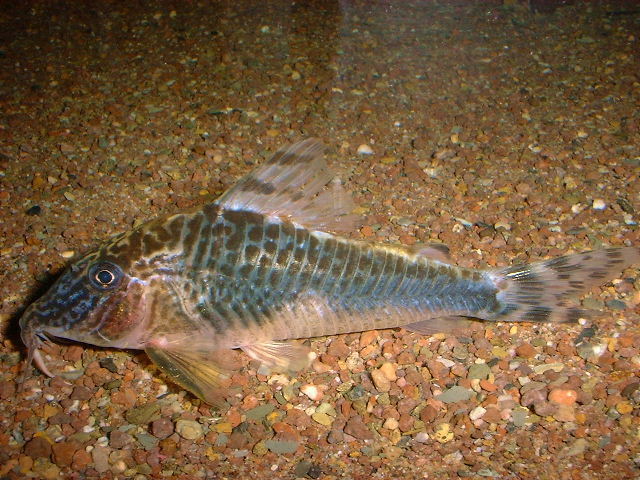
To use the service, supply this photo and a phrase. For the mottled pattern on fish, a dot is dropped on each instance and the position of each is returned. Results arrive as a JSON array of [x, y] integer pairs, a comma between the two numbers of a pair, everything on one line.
[[241, 271], [254, 268]]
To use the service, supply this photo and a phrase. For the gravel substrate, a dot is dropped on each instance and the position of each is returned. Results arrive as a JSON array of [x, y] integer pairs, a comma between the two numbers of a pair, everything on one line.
[[508, 130]]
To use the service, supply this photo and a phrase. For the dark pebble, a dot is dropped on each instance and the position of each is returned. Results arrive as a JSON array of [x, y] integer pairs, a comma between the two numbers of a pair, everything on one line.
[[63, 452], [335, 436], [108, 364], [302, 468], [35, 210], [315, 471], [118, 439], [358, 429], [616, 304], [60, 419], [38, 447], [80, 393], [630, 389], [162, 428]]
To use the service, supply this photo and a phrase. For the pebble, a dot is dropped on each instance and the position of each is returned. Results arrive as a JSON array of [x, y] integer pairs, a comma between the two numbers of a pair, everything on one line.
[[455, 394], [599, 204], [616, 304], [367, 338], [189, 429], [119, 439], [443, 433], [380, 381], [421, 437], [147, 441], [311, 391], [34, 210], [259, 412], [565, 413], [391, 423], [45, 470], [162, 428], [563, 396], [357, 428], [392, 452], [281, 446], [389, 371], [519, 416], [143, 414], [81, 393], [38, 447], [480, 371], [477, 413], [577, 448], [63, 452], [624, 407], [525, 350], [100, 457], [322, 418], [365, 149]]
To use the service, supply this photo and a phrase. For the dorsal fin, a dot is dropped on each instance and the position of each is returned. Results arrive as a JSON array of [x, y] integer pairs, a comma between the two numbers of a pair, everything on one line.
[[295, 184]]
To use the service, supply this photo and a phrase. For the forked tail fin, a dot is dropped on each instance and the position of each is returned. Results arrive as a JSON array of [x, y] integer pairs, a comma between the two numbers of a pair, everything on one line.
[[540, 292]]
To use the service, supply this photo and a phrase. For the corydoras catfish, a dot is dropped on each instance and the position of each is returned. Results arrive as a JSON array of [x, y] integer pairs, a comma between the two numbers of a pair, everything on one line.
[[256, 268]]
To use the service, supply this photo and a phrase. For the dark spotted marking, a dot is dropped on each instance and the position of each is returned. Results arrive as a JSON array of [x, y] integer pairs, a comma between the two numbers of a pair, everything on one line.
[[538, 314], [270, 247], [255, 232], [251, 253], [614, 253], [151, 244], [192, 233], [297, 196], [256, 185], [161, 233], [574, 314], [272, 231]]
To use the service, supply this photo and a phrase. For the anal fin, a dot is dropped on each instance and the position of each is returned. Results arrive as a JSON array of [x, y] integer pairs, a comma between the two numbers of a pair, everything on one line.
[[448, 324], [280, 356]]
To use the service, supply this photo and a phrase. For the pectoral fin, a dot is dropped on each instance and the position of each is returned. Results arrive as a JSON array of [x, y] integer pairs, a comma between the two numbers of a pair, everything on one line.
[[204, 374]]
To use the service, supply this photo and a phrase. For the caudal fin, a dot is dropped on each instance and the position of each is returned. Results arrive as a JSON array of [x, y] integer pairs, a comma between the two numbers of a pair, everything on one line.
[[540, 292]]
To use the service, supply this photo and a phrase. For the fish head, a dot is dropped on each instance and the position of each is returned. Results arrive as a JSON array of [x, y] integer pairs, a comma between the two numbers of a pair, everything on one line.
[[95, 301]]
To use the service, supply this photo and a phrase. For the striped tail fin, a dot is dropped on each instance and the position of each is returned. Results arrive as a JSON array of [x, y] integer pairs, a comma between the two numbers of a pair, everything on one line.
[[540, 292]]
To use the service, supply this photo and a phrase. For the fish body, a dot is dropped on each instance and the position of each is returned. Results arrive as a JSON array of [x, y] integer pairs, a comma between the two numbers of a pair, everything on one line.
[[257, 267]]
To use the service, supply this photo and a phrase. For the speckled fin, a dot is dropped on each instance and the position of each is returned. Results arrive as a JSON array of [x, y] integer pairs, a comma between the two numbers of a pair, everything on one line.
[[204, 374], [280, 356], [542, 291], [295, 184], [448, 324]]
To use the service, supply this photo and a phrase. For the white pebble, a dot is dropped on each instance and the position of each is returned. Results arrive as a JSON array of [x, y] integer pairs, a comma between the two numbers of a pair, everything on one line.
[[67, 254], [391, 423], [422, 437], [577, 208], [311, 391], [477, 413], [365, 149], [598, 204]]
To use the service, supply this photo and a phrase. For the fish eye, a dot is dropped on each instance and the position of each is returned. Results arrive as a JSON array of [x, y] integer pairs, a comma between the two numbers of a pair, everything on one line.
[[105, 275]]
